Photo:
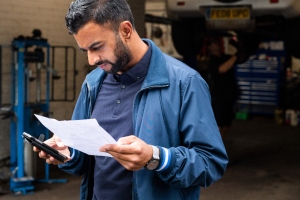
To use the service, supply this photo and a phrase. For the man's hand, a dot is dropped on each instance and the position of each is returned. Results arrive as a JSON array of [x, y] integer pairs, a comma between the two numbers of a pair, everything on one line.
[[56, 143], [131, 152]]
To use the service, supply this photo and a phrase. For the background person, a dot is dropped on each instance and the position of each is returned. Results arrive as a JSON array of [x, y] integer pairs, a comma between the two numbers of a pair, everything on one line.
[[222, 84]]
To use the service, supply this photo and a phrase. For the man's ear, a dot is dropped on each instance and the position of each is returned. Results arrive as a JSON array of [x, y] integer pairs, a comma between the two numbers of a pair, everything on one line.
[[125, 29]]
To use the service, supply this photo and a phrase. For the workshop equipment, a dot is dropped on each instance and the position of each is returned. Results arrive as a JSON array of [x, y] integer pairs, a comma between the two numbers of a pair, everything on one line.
[[259, 80], [31, 82]]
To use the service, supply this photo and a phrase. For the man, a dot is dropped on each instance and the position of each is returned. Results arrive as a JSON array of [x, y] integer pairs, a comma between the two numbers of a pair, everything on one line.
[[222, 83], [157, 108]]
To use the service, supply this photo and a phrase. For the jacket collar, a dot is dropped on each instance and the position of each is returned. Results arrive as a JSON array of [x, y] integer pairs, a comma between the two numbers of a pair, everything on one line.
[[157, 73]]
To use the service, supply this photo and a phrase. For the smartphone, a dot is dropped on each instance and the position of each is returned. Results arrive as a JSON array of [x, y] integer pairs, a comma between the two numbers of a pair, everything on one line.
[[44, 147]]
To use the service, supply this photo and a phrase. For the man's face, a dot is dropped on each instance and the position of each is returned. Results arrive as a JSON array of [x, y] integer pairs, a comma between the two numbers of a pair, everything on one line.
[[104, 47]]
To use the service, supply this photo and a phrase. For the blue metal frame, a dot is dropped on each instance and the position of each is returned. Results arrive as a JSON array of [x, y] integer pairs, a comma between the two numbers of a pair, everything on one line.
[[23, 120]]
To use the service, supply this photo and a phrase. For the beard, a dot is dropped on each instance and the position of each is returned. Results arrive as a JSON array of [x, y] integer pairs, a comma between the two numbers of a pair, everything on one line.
[[123, 57]]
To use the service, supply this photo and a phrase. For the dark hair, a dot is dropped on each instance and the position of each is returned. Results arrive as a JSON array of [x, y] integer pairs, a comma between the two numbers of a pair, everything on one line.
[[101, 12]]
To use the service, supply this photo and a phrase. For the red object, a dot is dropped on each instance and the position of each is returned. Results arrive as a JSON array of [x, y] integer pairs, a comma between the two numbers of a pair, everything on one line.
[[180, 3], [274, 1]]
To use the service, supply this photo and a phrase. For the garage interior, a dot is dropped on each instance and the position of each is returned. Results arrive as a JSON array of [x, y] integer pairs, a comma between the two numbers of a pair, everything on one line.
[[263, 143]]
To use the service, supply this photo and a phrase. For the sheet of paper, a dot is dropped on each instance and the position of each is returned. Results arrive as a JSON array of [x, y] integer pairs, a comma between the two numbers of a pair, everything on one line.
[[84, 135]]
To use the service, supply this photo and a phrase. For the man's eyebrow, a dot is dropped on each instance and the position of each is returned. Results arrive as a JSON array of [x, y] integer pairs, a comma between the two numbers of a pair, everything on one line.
[[91, 46]]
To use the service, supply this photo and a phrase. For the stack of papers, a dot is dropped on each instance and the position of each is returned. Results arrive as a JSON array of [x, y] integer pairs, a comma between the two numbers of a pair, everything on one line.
[[84, 135]]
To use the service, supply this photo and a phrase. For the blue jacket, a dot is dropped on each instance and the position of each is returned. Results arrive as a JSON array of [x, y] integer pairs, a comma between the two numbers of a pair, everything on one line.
[[171, 110]]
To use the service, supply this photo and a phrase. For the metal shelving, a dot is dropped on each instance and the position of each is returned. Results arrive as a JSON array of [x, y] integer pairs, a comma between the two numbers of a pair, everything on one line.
[[259, 81]]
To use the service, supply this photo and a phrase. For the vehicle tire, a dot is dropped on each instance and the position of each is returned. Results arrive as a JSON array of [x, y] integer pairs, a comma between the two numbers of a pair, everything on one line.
[[292, 36], [188, 35], [248, 43]]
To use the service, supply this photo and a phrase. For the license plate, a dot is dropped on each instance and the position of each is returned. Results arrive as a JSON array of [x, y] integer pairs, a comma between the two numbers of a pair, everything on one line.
[[228, 13]]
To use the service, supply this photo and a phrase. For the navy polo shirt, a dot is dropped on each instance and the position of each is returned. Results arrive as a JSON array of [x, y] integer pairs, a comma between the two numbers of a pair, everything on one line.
[[113, 111]]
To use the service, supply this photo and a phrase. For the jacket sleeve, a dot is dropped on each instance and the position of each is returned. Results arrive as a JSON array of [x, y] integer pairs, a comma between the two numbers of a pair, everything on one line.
[[201, 158], [79, 161]]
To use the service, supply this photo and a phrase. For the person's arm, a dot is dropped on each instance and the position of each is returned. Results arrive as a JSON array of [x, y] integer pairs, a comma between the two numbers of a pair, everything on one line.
[[82, 163], [227, 65], [79, 161], [201, 158], [75, 161], [74, 164]]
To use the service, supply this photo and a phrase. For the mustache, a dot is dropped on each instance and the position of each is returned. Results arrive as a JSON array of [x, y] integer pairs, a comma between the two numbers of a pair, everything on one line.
[[104, 62]]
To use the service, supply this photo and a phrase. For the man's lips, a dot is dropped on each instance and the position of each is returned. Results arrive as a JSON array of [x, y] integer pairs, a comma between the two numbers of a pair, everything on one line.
[[102, 66]]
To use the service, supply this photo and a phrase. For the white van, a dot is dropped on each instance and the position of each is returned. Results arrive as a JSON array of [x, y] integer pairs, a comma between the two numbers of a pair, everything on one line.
[[253, 20]]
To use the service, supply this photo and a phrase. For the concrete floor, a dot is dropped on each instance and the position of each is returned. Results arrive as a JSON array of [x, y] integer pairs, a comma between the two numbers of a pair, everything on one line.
[[264, 165]]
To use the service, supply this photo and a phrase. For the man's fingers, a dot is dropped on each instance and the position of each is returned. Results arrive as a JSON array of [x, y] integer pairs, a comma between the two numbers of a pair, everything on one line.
[[43, 154], [57, 144], [121, 149], [35, 149], [127, 140], [58, 141], [60, 144], [52, 161]]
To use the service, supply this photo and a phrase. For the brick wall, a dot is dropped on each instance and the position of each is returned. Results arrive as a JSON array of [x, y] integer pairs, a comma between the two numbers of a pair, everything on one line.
[[20, 17]]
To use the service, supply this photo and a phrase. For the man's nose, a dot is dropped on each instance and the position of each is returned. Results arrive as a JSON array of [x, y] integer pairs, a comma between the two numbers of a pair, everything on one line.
[[92, 58]]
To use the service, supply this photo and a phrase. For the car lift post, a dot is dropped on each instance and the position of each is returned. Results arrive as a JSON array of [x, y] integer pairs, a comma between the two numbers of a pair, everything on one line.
[[24, 110]]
